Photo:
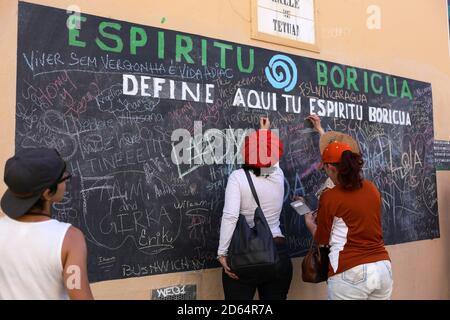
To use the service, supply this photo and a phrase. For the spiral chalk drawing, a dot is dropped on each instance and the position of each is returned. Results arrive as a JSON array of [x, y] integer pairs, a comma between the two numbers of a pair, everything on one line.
[[286, 78]]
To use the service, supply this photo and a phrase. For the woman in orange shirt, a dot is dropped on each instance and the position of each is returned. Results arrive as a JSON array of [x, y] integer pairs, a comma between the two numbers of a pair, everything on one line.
[[349, 221]]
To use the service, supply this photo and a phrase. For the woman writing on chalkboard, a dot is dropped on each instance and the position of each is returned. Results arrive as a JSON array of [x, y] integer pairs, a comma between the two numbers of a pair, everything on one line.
[[268, 179], [41, 258], [349, 221]]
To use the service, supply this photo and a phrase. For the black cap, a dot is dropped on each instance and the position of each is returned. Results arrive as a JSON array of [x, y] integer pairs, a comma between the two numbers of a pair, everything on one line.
[[27, 174]]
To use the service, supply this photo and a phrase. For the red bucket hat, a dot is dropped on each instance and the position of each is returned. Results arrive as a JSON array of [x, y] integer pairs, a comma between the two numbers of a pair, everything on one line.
[[262, 149]]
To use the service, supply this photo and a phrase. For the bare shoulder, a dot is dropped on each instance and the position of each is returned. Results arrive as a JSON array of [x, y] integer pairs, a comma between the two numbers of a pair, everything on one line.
[[73, 244], [74, 239], [74, 234]]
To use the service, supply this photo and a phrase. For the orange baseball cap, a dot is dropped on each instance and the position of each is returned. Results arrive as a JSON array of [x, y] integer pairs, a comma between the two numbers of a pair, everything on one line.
[[333, 152]]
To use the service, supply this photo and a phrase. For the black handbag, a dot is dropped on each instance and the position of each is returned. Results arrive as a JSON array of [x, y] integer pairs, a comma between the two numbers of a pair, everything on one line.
[[252, 251]]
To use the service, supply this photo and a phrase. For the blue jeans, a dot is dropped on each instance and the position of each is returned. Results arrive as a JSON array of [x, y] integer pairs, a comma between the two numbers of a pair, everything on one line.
[[370, 281]]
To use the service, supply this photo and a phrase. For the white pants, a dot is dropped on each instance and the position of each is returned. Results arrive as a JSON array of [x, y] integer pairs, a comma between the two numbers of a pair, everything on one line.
[[370, 281]]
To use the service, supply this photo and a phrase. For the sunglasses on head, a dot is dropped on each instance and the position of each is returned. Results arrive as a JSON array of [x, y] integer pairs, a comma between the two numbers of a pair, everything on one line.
[[65, 175]]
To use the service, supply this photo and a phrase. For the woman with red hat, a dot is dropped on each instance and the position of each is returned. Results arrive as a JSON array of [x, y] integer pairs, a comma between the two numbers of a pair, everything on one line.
[[349, 221], [262, 151]]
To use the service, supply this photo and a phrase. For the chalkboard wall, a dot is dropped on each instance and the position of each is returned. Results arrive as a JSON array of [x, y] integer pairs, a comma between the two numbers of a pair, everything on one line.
[[111, 96]]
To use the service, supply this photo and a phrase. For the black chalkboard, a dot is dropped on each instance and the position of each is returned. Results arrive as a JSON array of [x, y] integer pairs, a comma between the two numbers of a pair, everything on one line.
[[142, 214]]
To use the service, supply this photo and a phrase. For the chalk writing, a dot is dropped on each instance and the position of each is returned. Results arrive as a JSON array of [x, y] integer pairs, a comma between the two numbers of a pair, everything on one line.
[[110, 96]]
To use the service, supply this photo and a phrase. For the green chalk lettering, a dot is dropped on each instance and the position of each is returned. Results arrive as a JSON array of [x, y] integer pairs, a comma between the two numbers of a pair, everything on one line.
[[405, 89], [322, 78], [183, 50], [74, 33], [223, 47], [134, 41], [351, 79], [251, 63], [204, 52], [161, 44], [378, 90], [119, 44], [366, 83], [389, 92], [341, 82]]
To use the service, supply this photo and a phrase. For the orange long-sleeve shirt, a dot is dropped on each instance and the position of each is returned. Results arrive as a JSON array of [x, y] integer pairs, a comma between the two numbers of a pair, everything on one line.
[[350, 222]]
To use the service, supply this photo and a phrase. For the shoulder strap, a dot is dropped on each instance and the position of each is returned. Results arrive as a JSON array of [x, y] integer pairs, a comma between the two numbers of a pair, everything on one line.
[[252, 187]]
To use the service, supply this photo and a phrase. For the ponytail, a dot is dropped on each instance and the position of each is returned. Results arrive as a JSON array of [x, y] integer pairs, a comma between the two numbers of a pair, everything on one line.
[[349, 170], [256, 170]]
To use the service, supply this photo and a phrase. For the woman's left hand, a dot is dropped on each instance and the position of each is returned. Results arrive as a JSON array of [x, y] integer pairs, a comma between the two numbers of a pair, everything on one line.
[[295, 198], [310, 221]]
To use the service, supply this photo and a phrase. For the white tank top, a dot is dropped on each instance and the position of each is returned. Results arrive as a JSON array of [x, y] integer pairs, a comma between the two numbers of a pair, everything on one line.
[[30, 260]]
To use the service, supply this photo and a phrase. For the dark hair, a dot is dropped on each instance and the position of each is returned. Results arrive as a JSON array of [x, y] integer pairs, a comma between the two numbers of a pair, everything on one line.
[[349, 170], [256, 170], [39, 204]]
